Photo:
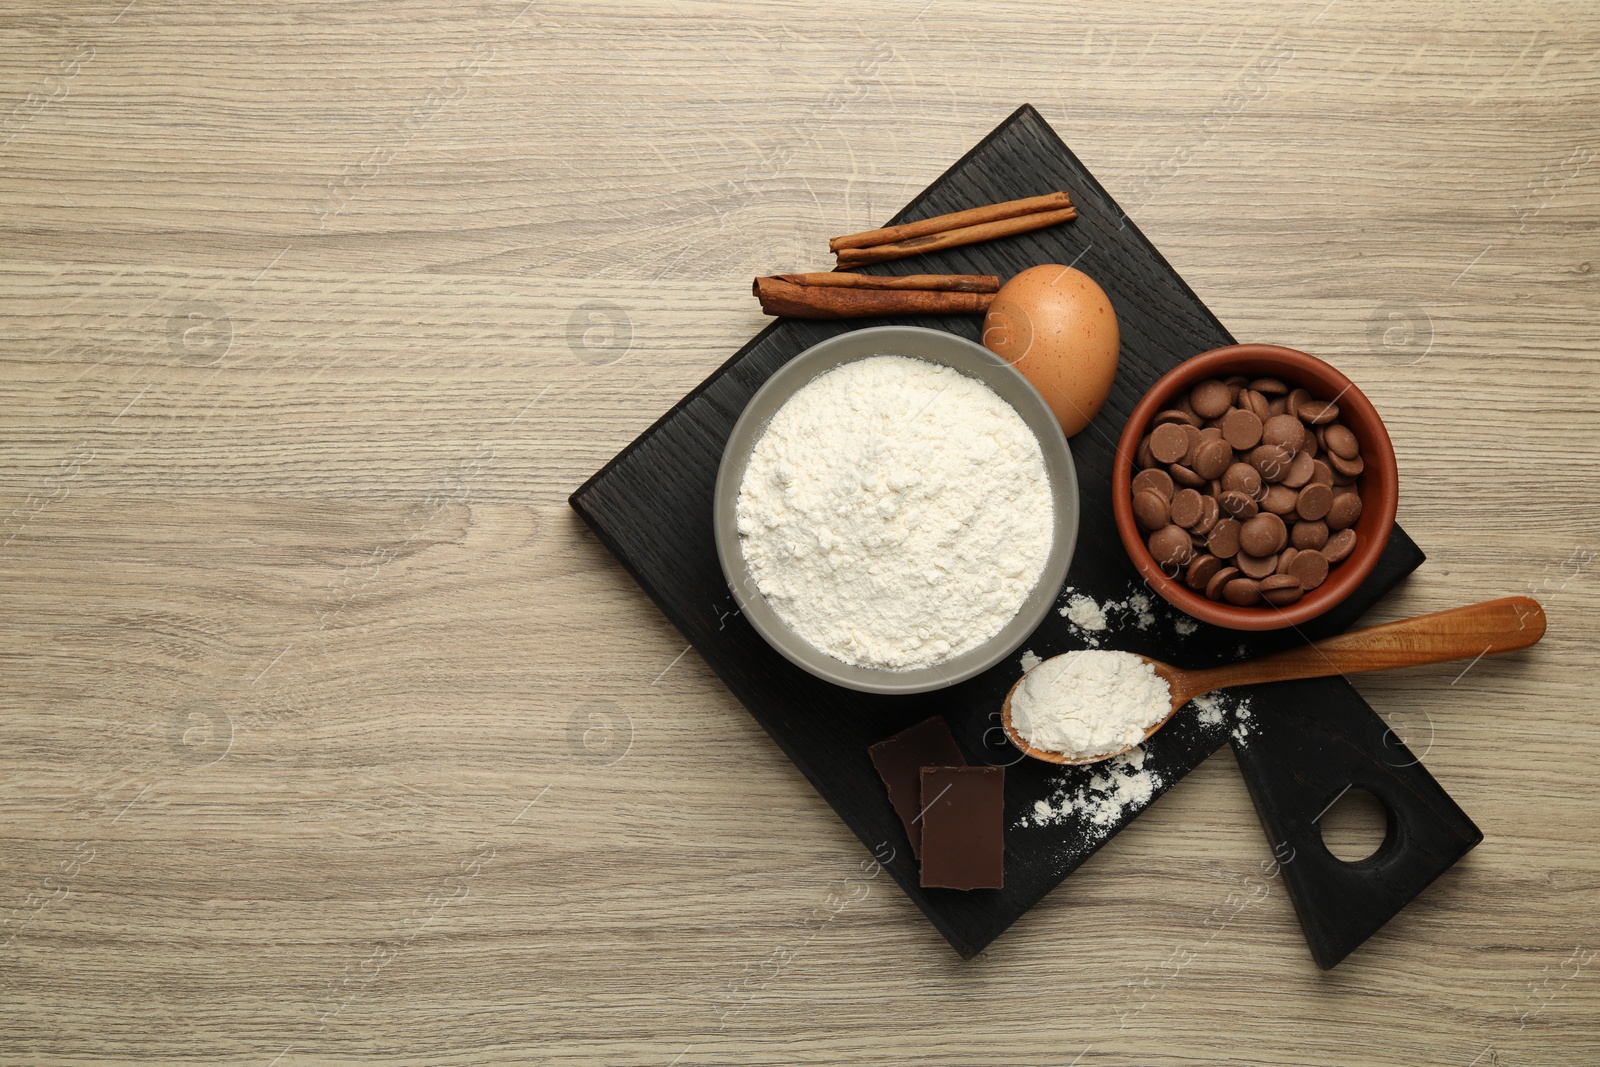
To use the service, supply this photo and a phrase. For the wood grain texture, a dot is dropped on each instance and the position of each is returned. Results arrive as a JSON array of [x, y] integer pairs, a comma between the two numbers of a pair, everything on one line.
[[298, 624]]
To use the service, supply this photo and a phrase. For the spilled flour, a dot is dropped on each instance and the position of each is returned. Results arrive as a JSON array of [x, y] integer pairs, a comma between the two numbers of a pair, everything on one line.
[[1092, 619], [1245, 727], [1211, 709], [1216, 709], [1118, 786], [1085, 613]]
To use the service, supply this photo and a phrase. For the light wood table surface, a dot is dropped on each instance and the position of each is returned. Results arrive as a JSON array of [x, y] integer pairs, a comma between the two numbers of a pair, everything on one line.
[[329, 733]]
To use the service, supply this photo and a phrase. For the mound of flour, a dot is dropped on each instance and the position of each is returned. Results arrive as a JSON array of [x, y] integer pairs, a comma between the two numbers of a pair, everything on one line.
[[1089, 703], [895, 512]]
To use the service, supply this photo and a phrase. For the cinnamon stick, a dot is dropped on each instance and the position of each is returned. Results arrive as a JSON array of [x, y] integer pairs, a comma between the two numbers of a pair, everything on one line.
[[1038, 220], [780, 297], [955, 220], [956, 283]]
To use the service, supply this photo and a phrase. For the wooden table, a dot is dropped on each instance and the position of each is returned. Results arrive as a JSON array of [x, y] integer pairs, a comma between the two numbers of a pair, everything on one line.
[[331, 735]]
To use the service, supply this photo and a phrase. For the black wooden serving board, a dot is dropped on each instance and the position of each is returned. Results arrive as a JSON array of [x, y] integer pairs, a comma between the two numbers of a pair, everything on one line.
[[651, 506]]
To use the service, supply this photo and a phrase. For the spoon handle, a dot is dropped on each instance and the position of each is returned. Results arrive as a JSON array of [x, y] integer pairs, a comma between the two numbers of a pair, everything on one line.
[[1502, 625]]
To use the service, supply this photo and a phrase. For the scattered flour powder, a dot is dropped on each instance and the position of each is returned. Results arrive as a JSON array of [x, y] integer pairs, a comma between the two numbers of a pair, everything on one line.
[[1089, 703], [1211, 709], [1117, 785], [1245, 727], [1092, 619], [1215, 709], [1085, 613], [895, 513]]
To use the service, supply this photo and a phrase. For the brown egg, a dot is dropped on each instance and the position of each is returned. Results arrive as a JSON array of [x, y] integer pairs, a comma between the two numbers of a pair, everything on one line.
[[1057, 327]]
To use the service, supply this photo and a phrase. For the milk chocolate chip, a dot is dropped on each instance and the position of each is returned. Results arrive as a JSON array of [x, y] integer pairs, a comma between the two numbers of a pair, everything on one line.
[[1340, 441], [1285, 431], [1215, 586], [1241, 429], [1202, 568], [1184, 476], [1168, 442], [1257, 403], [1347, 467], [1256, 566], [1280, 500], [1309, 535], [1271, 460], [1241, 592], [1310, 568], [1242, 478], [1195, 440], [1171, 547], [1339, 546], [1263, 535], [1150, 509], [1300, 468], [1211, 399], [1281, 589], [1156, 479], [1212, 458], [1237, 504], [1186, 507], [1179, 418], [1309, 442], [1293, 401], [1223, 541], [1314, 501], [1317, 412], [1344, 511]]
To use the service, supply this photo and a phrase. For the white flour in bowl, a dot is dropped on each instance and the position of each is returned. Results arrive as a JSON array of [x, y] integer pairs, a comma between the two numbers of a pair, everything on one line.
[[895, 513]]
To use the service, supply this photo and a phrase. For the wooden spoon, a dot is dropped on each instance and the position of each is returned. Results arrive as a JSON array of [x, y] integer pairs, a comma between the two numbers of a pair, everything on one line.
[[1502, 625]]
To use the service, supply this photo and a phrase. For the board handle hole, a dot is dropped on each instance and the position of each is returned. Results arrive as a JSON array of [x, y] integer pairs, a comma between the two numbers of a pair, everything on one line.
[[1354, 826]]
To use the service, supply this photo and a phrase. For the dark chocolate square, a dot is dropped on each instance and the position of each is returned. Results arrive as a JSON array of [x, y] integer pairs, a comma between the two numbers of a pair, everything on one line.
[[900, 759], [963, 827]]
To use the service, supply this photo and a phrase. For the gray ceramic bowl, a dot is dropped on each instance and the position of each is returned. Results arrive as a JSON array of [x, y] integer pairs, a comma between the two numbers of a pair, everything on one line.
[[937, 347]]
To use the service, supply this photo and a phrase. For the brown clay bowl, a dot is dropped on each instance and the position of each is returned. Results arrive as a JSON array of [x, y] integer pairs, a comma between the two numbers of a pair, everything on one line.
[[1379, 484]]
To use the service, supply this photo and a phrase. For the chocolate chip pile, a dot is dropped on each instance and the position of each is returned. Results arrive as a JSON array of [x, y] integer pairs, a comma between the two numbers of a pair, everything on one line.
[[1249, 490]]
